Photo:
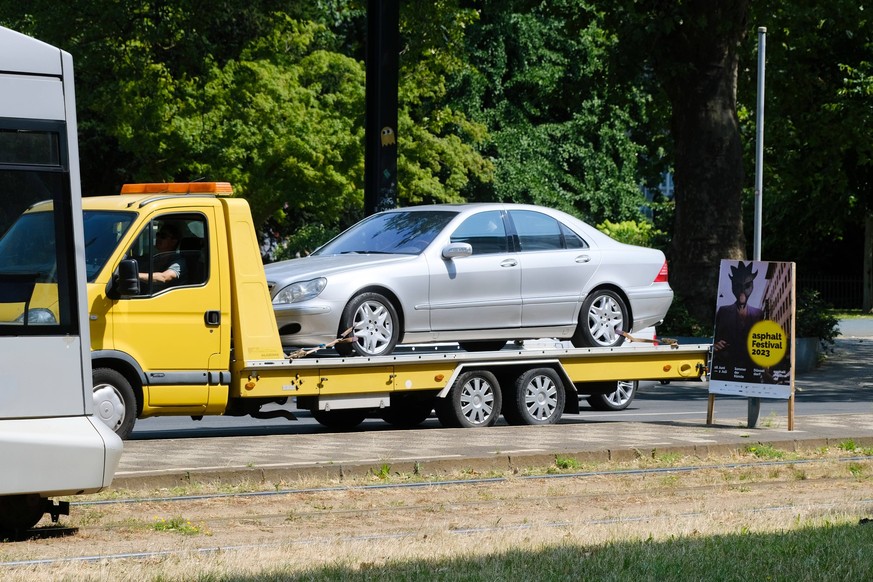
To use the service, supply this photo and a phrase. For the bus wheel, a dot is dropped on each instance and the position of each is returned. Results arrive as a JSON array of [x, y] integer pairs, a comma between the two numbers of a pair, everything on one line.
[[538, 398], [114, 401], [473, 401], [344, 419]]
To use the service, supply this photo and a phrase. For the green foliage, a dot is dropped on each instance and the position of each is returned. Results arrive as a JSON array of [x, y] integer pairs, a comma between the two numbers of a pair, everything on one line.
[[303, 241], [631, 232], [814, 318], [680, 323]]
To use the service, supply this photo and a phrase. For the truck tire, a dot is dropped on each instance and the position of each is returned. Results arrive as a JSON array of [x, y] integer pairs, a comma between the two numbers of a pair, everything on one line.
[[603, 314], [625, 391], [474, 401], [538, 398], [19, 513], [375, 324], [408, 412], [114, 401], [344, 419]]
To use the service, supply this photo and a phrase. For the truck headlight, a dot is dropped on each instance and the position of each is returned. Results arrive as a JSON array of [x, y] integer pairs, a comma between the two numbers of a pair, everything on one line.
[[38, 315], [302, 291]]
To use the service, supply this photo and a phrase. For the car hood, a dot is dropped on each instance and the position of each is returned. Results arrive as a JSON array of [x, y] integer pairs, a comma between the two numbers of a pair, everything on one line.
[[284, 272]]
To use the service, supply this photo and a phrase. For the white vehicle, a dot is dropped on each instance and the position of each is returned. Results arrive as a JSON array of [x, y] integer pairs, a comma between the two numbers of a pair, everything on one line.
[[50, 444]]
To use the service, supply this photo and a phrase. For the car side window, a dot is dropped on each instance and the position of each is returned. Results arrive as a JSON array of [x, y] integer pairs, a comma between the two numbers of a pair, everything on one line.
[[536, 231], [484, 232], [571, 239]]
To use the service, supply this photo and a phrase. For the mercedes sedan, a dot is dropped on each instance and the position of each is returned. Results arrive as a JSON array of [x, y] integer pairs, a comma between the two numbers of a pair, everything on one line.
[[476, 274]]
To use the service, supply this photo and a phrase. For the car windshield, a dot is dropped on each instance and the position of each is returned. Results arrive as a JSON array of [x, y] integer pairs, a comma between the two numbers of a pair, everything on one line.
[[395, 232]]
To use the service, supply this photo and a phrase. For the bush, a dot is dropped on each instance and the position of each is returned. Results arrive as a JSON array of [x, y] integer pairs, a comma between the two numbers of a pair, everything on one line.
[[815, 318], [642, 234], [679, 322]]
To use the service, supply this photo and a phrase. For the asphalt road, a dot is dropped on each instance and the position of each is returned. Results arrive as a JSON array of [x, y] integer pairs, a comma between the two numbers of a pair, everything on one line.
[[843, 385]]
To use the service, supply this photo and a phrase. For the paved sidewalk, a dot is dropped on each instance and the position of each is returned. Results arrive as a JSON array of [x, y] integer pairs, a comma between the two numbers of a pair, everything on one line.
[[436, 450]]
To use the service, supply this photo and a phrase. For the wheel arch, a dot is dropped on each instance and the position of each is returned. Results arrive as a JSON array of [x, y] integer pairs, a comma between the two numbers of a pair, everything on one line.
[[616, 289], [125, 365], [390, 296]]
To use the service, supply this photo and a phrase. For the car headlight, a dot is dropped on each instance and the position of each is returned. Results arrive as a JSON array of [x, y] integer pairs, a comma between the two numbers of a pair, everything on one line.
[[302, 291], [38, 315]]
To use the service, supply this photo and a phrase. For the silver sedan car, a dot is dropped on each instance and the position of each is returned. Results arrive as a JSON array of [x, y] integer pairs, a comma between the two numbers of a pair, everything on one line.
[[476, 274]]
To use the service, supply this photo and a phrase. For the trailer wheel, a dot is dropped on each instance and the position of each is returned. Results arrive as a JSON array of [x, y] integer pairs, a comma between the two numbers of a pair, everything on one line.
[[114, 401], [625, 391], [376, 326], [473, 401], [603, 313], [340, 419], [538, 398], [408, 412], [19, 513]]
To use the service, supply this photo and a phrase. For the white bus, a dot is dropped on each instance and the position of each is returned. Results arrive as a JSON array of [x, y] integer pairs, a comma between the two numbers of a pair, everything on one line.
[[50, 444]]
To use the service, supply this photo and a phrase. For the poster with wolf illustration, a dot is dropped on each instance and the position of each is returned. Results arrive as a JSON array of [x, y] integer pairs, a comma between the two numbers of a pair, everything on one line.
[[753, 340]]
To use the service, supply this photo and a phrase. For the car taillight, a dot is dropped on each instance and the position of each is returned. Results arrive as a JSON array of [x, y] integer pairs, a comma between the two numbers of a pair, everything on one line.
[[662, 274]]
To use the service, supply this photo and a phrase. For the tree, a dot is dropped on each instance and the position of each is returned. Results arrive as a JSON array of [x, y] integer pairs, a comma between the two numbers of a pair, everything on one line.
[[563, 131], [819, 157]]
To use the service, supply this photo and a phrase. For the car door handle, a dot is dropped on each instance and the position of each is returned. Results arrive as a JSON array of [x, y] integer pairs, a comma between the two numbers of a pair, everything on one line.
[[583, 259], [508, 263]]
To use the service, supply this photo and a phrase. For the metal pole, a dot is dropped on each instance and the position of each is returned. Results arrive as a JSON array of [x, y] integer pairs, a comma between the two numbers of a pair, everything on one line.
[[754, 404]]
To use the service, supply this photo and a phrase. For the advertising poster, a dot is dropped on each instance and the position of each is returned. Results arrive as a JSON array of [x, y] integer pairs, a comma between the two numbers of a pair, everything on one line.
[[754, 338]]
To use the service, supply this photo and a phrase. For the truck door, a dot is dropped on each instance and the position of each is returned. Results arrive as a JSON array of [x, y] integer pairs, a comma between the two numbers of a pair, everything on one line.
[[166, 328]]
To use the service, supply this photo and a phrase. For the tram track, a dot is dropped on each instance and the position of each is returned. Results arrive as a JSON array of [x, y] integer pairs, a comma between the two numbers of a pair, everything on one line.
[[596, 504]]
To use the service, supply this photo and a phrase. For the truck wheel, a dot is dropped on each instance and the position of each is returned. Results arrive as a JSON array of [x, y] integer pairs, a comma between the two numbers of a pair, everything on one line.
[[408, 412], [339, 419], [624, 393], [19, 513], [114, 401], [375, 323], [603, 313], [473, 401], [538, 398]]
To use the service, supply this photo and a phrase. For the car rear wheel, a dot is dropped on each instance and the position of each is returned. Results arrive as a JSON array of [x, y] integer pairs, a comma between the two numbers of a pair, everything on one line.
[[375, 325], [625, 391], [474, 401], [538, 398], [604, 314]]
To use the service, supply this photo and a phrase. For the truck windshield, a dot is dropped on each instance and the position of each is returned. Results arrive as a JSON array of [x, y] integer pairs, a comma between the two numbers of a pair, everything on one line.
[[395, 232]]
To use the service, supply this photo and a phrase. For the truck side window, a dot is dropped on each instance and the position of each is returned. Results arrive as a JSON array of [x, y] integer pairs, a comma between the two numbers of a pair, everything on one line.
[[171, 251]]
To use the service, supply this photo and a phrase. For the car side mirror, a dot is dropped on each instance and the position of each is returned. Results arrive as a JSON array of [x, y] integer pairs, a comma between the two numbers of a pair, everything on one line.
[[456, 250], [127, 281]]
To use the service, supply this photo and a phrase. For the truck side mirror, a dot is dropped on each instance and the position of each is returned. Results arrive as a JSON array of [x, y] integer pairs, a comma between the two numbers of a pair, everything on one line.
[[126, 283]]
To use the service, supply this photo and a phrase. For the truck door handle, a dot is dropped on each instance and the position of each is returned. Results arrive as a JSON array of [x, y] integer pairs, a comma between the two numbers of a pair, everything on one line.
[[212, 317]]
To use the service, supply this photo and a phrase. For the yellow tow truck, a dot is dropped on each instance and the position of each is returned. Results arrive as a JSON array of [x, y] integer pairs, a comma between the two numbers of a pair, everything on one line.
[[190, 331]]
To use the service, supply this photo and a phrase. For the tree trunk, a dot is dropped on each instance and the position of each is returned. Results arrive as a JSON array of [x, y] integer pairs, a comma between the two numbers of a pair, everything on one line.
[[867, 305], [699, 74]]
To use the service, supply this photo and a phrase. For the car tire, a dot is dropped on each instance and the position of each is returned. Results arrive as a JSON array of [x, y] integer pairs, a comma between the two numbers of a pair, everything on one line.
[[624, 394], [114, 401], [375, 325], [486, 346], [538, 398], [604, 313], [473, 402], [344, 419]]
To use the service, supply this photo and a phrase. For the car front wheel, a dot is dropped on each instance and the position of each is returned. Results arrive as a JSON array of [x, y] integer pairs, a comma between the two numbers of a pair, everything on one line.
[[375, 325], [604, 314]]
